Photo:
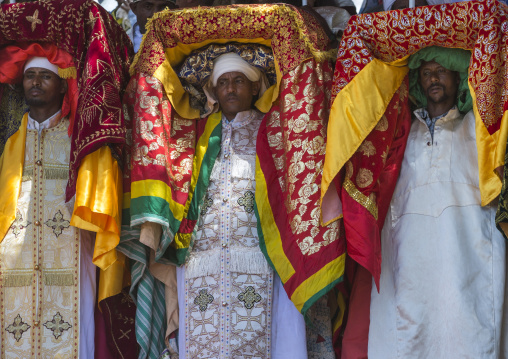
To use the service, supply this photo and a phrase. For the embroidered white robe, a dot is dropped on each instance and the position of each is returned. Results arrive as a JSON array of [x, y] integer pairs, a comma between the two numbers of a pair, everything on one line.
[[231, 303], [40, 259]]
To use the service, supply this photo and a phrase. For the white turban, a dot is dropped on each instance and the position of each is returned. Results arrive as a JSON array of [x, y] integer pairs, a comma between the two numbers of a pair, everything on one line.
[[232, 62], [41, 62]]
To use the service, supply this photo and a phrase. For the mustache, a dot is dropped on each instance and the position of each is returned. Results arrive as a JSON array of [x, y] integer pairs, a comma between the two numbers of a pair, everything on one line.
[[435, 86]]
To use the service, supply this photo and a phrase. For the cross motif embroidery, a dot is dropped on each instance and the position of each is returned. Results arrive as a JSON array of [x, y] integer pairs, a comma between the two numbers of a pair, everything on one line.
[[249, 297], [207, 203], [17, 328], [57, 223], [247, 201], [57, 325], [34, 19], [203, 299], [19, 224]]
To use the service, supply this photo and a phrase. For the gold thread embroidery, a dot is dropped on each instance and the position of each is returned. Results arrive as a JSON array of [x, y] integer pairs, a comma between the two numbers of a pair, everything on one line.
[[359, 197]]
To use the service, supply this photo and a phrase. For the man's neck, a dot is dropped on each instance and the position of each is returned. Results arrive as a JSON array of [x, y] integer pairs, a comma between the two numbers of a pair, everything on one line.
[[437, 109], [40, 114]]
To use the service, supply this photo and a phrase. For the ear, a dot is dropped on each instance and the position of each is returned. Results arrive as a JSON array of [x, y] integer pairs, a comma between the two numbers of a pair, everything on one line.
[[256, 87], [64, 87]]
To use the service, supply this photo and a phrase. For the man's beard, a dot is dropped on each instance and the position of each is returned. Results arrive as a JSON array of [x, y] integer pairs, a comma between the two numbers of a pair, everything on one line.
[[35, 102]]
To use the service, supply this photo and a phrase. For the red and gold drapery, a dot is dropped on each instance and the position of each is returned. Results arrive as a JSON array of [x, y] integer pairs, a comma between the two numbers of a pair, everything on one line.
[[168, 138], [100, 50], [370, 93]]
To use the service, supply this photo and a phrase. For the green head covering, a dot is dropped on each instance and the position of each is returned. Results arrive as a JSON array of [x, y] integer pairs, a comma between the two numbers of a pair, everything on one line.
[[452, 59]]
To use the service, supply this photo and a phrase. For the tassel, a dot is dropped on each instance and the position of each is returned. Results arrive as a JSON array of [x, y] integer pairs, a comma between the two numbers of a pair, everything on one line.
[[68, 73], [17, 280]]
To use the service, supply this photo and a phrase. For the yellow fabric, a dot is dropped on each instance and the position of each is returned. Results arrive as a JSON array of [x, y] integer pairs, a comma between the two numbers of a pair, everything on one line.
[[114, 278], [356, 110], [491, 151], [274, 248], [173, 87], [159, 189], [97, 208], [11, 170], [318, 281]]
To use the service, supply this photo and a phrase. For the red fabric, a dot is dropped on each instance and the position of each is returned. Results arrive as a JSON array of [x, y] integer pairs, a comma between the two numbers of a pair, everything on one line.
[[12, 63], [363, 230], [100, 50], [356, 334], [119, 313], [479, 26]]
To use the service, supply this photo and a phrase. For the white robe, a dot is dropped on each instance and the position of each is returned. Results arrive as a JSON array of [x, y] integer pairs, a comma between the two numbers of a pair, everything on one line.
[[231, 303], [442, 287]]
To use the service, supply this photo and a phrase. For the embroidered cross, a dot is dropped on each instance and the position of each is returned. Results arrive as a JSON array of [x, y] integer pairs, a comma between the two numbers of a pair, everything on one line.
[[17, 328], [203, 299], [249, 319], [247, 201], [124, 334], [34, 19], [57, 325], [249, 297], [207, 203], [57, 223], [249, 223], [19, 224], [202, 323]]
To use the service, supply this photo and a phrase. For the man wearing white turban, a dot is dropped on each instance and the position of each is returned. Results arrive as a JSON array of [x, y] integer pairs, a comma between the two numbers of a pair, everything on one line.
[[231, 303]]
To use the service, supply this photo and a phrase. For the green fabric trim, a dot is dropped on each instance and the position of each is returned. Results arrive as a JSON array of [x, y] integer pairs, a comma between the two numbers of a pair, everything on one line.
[[155, 208], [205, 172], [316, 296], [454, 60], [261, 237]]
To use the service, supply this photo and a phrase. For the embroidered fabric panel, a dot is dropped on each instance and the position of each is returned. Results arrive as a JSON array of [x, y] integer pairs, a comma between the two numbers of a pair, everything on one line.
[[228, 284], [39, 258]]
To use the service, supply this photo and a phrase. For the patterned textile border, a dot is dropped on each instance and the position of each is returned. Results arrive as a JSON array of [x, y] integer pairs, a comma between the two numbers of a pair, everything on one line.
[[295, 36], [100, 49], [479, 26]]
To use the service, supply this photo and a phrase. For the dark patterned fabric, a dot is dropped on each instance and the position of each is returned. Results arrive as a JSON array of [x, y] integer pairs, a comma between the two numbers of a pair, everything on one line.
[[12, 108], [197, 68]]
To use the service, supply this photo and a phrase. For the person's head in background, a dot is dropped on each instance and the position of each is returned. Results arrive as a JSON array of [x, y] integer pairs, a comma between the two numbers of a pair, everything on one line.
[[145, 9]]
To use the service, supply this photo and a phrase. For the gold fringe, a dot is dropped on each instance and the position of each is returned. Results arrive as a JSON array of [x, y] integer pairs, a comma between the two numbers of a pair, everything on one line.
[[56, 173], [360, 197], [17, 280], [58, 279], [28, 174], [68, 73]]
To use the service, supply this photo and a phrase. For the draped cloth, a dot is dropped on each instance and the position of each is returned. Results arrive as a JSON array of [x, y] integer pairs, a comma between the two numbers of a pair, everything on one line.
[[369, 118], [100, 52], [172, 152]]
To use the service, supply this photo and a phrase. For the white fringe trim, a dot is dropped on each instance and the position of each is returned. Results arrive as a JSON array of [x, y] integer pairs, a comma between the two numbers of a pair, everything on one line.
[[249, 261], [242, 166]]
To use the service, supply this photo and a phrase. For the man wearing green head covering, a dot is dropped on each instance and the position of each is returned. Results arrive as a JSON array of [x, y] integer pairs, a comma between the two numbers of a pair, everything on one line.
[[442, 286]]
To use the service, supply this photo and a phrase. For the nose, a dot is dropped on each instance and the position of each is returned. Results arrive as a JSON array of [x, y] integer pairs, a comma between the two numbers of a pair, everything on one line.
[[231, 88], [36, 82], [434, 77]]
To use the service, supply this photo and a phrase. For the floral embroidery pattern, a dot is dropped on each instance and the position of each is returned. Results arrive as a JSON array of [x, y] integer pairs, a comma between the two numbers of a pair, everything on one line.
[[57, 325], [17, 328], [19, 224], [58, 223], [249, 297], [203, 299], [247, 201]]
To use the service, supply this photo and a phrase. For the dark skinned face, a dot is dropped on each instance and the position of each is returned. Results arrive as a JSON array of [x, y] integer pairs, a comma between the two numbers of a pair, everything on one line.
[[43, 88], [235, 92], [145, 9], [439, 84]]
